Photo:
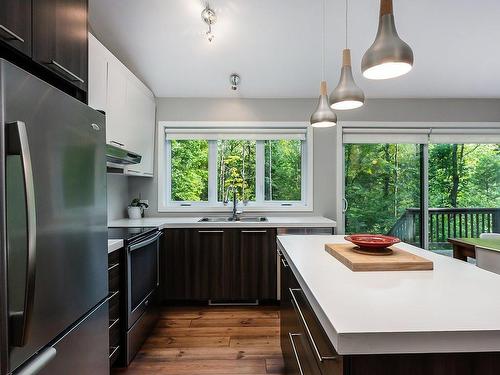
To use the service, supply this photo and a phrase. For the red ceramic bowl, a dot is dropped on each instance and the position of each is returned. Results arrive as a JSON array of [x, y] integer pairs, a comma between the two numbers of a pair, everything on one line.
[[372, 241]]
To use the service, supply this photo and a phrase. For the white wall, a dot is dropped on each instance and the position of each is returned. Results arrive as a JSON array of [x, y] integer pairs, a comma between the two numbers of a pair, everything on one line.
[[117, 189], [212, 109]]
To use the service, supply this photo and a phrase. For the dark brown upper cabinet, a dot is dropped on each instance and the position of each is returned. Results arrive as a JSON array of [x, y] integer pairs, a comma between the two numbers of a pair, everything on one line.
[[15, 24], [60, 38]]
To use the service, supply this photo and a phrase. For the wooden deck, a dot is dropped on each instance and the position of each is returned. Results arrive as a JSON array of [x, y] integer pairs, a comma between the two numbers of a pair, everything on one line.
[[212, 340]]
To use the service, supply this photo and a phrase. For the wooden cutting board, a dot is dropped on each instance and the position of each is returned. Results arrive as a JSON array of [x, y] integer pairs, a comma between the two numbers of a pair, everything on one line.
[[399, 260]]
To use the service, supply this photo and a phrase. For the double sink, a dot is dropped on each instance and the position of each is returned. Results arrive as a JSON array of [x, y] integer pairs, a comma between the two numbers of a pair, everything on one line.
[[219, 219]]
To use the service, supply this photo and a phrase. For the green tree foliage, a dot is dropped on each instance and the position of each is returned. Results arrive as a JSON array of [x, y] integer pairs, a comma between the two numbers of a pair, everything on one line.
[[383, 180], [464, 175], [283, 165], [189, 170], [236, 167]]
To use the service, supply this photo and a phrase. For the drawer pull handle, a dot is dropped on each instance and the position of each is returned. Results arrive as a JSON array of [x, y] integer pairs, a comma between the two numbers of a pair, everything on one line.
[[113, 266], [66, 71], [114, 350], [113, 322], [283, 261], [292, 335], [12, 34], [295, 304], [254, 231], [210, 231]]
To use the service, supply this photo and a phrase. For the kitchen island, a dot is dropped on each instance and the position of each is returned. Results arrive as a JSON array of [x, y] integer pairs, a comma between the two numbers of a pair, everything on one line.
[[404, 322]]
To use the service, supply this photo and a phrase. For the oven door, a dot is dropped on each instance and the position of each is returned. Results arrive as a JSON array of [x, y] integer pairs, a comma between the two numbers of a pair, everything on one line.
[[142, 274]]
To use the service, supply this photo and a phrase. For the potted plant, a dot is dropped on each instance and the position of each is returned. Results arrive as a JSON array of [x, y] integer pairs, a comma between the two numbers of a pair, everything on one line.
[[136, 209]]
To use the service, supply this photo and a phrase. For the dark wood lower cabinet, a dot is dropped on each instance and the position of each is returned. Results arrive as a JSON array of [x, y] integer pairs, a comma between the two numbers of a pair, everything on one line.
[[221, 265], [115, 275], [297, 319]]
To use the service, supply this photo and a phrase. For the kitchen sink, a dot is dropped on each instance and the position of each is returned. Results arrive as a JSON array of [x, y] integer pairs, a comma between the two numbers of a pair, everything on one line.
[[218, 219]]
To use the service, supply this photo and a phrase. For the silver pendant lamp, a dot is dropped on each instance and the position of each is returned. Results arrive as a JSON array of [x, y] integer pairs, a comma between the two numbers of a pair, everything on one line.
[[347, 95], [323, 116], [388, 56]]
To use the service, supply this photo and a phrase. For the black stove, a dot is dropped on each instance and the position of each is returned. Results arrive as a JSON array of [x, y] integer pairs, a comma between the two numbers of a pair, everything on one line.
[[131, 234]]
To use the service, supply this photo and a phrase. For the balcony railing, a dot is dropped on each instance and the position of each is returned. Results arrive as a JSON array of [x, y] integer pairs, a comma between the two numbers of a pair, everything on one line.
[[447, 222]]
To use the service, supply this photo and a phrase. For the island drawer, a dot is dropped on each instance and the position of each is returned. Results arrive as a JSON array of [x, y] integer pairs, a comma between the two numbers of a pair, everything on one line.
[[321, 348]]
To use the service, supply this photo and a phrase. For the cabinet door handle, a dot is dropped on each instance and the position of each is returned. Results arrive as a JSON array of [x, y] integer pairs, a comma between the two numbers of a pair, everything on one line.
[[66, 71], [308, 331], [283, 261], [12, 34], [117, 143], [254, 231], [210, 231], [292, 335]]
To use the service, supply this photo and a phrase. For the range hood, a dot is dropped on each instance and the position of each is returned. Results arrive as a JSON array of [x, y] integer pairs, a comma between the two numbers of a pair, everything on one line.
[[120, 157]]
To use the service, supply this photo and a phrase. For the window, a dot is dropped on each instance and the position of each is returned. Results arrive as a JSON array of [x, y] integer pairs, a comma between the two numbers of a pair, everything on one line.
[[189, 170], [422, 184], [283, 170], [268, 164], [236, 167]]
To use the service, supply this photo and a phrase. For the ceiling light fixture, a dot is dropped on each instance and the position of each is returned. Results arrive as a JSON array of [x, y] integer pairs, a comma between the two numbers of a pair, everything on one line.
[[388, 56], [323, 116], [209, 17], [234, 79], [347, 95]]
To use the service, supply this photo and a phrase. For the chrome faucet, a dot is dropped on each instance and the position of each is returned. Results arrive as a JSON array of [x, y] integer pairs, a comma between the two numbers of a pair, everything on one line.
[[236, 212]]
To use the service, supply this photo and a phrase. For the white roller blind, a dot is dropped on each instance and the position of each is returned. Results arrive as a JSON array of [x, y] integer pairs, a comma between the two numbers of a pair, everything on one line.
[[385, 135], [421, 133], [224, 133], [236, 130], [465, 136]]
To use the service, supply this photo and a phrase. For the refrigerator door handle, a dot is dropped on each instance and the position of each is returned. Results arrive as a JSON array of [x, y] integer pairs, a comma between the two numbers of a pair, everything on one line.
[[17, 144], [39, 362]]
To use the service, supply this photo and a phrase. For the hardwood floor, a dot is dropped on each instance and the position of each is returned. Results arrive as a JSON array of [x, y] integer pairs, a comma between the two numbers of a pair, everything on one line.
[[212, 340]]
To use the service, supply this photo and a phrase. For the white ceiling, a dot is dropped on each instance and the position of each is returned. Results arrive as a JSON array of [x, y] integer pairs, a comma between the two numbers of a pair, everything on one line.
[[275, 45]]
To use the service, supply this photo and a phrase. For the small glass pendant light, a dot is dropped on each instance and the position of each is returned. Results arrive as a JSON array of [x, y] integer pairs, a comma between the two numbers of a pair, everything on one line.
[[388, 56], [323, 116], [347, 95]]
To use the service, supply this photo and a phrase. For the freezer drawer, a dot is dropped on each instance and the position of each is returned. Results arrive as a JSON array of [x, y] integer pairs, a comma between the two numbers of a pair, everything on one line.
[[81, 351]]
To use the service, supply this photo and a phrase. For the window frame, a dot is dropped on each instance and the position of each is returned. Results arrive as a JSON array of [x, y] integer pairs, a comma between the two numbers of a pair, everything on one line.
[[165, 204]]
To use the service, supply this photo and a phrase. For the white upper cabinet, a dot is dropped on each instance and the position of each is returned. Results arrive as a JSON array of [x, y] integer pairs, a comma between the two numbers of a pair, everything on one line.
[[129, 106], [98, 73]]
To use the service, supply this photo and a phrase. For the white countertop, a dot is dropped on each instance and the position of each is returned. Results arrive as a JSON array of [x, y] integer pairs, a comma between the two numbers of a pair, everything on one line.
[[453, 308], [114, 245], [193, 222]]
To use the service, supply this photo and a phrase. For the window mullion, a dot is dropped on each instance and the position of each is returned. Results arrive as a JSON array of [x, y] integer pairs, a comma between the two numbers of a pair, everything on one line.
[[168, 156], [259, 172], [212, 172]]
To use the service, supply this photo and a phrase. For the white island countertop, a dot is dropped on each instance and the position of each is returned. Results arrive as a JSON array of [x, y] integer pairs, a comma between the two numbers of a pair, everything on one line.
[[453, 308], [114, 245], [193, 222]]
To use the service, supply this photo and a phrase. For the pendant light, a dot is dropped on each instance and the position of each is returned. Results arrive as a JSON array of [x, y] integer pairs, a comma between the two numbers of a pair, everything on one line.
[[347, 95], [323, 116], [388, 56]]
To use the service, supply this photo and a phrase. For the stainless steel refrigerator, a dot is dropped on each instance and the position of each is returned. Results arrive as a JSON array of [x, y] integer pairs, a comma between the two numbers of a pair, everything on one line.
[[53, 245]]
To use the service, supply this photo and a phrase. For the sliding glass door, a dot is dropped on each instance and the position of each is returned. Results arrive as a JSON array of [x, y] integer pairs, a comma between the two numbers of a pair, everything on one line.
[[383, 189], [423, 192]]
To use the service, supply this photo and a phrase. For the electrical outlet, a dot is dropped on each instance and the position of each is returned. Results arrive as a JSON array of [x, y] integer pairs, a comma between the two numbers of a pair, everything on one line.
[[145, 201]]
